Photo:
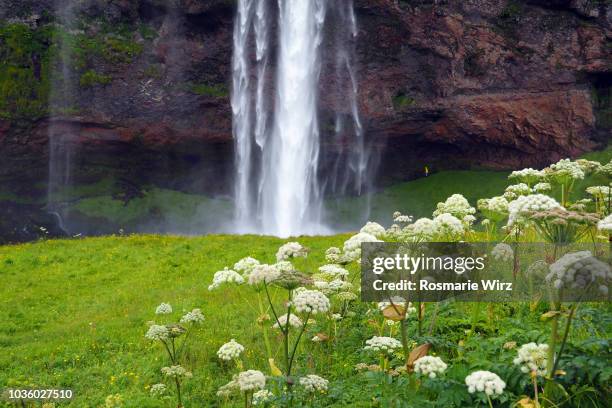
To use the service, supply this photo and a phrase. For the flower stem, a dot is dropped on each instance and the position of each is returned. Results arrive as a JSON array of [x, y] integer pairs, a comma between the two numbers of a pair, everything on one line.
[[565, 335]]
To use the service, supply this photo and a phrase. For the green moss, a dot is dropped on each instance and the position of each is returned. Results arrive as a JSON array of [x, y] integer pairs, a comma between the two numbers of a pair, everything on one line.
[[25, 57], [402, 101], [147, 32], [92, 78], [215, 90]]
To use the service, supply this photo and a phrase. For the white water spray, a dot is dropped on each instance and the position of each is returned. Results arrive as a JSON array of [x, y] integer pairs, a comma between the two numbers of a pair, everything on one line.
[[275, 120]]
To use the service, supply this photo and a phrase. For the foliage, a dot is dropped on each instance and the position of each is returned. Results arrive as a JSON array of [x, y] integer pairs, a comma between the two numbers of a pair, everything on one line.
[[25, 60]]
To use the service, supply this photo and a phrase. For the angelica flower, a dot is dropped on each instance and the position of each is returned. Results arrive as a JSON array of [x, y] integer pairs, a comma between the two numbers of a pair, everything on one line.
[[263, 273], [524, 205], [605, 224], [346, 296], [352, 246], [332, 255], [245, 266], [502, 252], [176, 371], [333, 271], [311, 301], [373, 228], [314, 383], [225, 276], [424, 228], [294, 321], [195, 316], [230, 350], [430, 366], [532, 357], [402, 219], [157, 332], [383, 344], [455, 205], [163, 308], [578, 270], [158, 390], [448, 225], [527, 175], [251, 380], [541, 187], [518, 189], [291, 250], [485, 381], [261, 397], [565, 168]]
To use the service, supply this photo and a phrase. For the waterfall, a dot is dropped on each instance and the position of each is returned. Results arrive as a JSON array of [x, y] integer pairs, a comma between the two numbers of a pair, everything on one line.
[[291, 200], [60, 141], [278, 188]]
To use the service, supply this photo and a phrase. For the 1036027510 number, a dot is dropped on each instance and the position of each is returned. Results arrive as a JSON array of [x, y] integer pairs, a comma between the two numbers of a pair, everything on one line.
[[38, 394]]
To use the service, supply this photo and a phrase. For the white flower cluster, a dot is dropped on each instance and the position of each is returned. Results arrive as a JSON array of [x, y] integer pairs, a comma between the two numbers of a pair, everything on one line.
[[527, 175], [251, 380], [577, 270], [294, 321], [163, 308], [541, 187], [502, 252], [383, 344], [158, 390], [456, 205], [333, 286], [284, 266], [397, 301], [430, 366], [402, 219], [314, 383], [531, 203], [567, 168], [176, 371], [485, 381], [263, 273], [157, 332], [262, 396], [230, 350], [352, 246], [448, 225], [424, 228], [333, 271], [245, 266], [290, 250], [601, 191], [311, 301], [517, 190], [373, 228], [332, 255], [225, 276], [532, 357], [195, 316], [605, 224], [497, 205]]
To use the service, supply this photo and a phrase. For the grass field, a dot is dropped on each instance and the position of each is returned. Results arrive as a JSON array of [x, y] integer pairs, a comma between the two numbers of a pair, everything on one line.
[[73, 313]]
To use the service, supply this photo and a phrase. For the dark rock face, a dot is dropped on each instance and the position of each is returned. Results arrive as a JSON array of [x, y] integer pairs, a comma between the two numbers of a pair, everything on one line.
[[492, 83]]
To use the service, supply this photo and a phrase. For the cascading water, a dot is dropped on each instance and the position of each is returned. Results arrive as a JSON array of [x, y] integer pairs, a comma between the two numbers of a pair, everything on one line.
[[291, 200], [61, 142], [277, 185]]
